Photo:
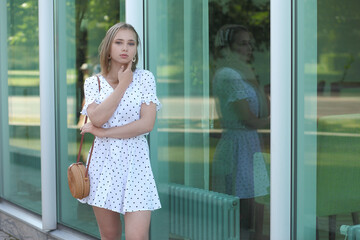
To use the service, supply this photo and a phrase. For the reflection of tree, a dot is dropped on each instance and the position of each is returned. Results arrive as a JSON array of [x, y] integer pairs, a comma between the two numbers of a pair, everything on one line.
[[93, 18], [81, 46], [255, 16], [338, 40], [23, 38], [338, 25]]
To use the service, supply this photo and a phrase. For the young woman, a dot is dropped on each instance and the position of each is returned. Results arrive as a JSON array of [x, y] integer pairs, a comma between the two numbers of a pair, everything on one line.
[[121, 114], [243, 108]]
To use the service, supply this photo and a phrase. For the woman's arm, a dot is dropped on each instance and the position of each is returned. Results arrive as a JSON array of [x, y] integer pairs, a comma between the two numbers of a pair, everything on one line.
[[241, 107], [100, 113], [144, 125]]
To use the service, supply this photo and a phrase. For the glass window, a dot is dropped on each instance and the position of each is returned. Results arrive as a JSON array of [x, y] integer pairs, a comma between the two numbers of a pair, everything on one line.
[[21, 139], [80, 27], [327, 118], [210, 150]]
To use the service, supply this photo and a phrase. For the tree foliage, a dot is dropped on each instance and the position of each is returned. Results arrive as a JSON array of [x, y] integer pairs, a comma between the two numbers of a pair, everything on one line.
[[254, 16]]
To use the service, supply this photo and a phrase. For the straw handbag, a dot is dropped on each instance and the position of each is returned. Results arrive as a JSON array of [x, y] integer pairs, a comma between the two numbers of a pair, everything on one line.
[[77, 173]]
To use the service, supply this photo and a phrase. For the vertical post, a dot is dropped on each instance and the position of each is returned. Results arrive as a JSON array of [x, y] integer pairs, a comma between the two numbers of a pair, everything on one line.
[[189, 165], [155, 45], [206, 89], [306, 119], [4, 118], [281, 79], [134, 15], [47, 114]]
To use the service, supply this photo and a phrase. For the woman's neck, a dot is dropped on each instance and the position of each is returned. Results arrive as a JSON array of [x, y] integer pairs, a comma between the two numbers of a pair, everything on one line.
[[112, 75]]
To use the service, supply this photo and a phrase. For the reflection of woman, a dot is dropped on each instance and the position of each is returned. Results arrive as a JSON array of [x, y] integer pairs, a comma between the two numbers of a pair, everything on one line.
[[243, 109], [121, 180]]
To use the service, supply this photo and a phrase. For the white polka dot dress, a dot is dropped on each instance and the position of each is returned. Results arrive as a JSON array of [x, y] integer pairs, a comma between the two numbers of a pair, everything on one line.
[[120, 174]]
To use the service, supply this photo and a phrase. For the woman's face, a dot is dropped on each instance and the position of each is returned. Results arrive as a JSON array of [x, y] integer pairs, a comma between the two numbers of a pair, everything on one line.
[[242, 45], [123, 47]]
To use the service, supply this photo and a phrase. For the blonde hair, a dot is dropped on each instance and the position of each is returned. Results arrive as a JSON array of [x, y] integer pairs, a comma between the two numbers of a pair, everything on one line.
[[105, 45], [225, 35]]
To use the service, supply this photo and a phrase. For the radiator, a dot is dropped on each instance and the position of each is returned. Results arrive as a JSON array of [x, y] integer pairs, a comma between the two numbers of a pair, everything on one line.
[[350, 232], [198, 214]]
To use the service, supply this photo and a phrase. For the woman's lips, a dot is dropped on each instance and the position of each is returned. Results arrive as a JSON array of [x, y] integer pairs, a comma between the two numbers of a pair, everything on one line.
[[124, 55]]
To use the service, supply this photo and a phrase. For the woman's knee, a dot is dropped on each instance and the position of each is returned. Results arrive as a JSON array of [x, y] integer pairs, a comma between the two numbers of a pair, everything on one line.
[[109, 223], [110, 234], [136, 235], [137, 225]]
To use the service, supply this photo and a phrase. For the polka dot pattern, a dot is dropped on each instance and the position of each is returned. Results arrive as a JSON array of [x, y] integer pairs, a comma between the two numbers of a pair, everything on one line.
[[120, 174]]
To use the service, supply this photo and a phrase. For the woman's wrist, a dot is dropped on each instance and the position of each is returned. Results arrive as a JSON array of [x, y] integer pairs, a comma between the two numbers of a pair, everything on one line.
[[101, 132]]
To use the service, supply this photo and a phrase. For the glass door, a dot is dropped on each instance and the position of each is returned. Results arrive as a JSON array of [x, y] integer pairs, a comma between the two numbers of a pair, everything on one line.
[[20, 104], [211, 149], [80, 27], [327, 118]]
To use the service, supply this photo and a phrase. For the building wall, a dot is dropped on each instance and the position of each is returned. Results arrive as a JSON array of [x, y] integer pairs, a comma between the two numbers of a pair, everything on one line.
[[180, 47]]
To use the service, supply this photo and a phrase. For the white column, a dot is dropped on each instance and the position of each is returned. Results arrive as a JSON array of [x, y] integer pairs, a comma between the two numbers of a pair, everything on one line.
[[134, 15], [47, 114], [280, 224]]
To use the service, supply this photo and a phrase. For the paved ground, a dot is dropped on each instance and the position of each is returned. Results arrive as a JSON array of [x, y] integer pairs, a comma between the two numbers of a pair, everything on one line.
[[5, 236]]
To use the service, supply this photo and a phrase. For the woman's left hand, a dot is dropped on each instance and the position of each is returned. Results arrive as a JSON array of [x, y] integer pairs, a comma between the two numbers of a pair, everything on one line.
[[90, 128]]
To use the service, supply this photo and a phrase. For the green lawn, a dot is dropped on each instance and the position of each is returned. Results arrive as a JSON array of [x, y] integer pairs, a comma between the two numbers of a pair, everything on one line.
[[30, 78]]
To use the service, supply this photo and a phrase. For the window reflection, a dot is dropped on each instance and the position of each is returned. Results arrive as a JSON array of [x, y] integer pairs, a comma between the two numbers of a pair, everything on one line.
[[81, 25], [195, 125], [240, 80], [21, 172], [238, 166], [338, 117]]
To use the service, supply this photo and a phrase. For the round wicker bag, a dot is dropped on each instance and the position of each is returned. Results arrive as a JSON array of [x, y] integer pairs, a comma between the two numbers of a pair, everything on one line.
[[78, 180]]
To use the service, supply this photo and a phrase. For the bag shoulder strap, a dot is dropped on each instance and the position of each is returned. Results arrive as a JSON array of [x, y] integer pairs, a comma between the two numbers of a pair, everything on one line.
[[82, 140]]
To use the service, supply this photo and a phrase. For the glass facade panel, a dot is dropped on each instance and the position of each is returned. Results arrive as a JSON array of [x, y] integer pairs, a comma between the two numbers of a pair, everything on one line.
[[80, 27], [21, 117], [210, 148], [327, 118]]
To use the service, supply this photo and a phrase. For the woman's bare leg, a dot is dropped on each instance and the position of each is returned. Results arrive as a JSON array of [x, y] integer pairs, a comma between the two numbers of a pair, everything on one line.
[[137, 225], [109, 223]]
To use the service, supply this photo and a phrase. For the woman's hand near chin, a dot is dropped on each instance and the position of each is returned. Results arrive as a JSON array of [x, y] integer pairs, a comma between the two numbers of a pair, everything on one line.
[[125, 75], [90, 128]]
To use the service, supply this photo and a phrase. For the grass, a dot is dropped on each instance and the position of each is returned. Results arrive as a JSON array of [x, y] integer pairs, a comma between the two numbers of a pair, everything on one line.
[[340, 124], [31, 78]]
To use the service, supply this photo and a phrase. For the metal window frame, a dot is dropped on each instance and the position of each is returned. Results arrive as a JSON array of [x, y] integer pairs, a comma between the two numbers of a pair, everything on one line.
[[134, 15], [4, 143], [47, 114]]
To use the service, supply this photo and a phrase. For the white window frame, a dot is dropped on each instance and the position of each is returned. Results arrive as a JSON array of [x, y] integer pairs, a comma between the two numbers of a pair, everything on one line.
[[134, 15], [281, 110]]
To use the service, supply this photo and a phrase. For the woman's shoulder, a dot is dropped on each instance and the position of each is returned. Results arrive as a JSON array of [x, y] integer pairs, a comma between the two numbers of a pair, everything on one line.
[[227, 73], [144, 73], [91, 79]]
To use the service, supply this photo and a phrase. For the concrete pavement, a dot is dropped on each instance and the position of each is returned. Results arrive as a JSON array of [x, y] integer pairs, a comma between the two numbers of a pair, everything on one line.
[[5, 236]]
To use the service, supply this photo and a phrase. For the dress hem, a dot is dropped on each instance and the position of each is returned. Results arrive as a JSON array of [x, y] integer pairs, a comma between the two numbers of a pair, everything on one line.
[[123, 213]]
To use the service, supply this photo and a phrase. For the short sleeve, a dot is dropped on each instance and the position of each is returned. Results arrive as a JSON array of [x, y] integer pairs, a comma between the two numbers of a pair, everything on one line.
[[91, 91], [231, 85], [149, 89]]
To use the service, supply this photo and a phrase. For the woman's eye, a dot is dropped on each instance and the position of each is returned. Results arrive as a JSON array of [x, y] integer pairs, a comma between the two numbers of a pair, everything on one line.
[[131, 44]]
